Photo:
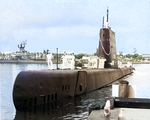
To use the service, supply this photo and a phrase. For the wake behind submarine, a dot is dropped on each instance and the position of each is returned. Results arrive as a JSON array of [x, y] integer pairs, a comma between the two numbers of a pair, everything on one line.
[[34, 88]]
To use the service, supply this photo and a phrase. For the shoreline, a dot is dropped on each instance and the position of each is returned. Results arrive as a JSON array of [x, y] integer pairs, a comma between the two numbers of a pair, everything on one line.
[[45, 62], [27, 61]]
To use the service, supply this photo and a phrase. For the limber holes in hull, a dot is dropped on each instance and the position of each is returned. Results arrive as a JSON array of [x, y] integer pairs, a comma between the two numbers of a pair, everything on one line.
[[65, 87], [46, 98], [80, 87], [35, 101]]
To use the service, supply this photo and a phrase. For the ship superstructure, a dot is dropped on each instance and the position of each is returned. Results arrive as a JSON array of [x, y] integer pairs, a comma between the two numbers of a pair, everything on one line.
[[22, 54]]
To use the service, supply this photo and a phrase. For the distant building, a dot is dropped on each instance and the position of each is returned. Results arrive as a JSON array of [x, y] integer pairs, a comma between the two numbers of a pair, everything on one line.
[[146, 57]]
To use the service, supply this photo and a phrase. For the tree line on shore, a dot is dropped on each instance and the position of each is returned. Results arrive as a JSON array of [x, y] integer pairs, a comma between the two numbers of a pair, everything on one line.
[[79, 56], [130, 56]]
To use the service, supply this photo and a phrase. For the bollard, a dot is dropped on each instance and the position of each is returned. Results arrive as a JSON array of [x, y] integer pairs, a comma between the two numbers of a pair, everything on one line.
[[107, 108], [123, 89], [132, 91]]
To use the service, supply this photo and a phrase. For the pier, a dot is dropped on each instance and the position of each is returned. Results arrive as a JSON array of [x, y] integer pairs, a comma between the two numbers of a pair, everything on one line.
[[124, 109], [121, 114]]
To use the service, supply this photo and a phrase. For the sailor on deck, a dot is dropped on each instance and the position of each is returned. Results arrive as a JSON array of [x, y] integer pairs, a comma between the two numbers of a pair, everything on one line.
[[49, 60]]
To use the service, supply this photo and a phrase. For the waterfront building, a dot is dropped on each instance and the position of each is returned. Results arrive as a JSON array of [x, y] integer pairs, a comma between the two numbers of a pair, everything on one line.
[[146, 57]]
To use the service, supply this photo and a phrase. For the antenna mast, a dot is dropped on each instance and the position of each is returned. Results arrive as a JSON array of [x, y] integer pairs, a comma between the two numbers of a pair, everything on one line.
[[107, 13]]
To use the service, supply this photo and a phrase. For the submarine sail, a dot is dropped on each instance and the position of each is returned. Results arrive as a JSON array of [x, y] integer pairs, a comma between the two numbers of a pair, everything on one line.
[[107, 45]]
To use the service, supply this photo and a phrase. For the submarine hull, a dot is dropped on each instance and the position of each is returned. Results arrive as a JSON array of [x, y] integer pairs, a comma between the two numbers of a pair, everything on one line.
[[33, 88]]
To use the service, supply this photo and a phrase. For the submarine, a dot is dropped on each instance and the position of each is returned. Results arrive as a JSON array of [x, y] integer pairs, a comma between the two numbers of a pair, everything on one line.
[[38, 87]]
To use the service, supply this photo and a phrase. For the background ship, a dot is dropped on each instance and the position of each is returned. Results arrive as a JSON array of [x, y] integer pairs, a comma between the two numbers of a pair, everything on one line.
[[21, 56]]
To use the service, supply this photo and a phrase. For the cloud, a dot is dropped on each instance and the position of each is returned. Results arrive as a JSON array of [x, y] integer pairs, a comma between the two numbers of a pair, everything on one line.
[[50, 23]]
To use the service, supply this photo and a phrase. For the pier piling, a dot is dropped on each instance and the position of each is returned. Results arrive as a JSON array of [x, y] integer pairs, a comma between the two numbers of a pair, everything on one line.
[[123, 89]]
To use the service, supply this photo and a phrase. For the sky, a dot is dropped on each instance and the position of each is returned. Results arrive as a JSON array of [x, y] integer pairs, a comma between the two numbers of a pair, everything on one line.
[[73, 25]]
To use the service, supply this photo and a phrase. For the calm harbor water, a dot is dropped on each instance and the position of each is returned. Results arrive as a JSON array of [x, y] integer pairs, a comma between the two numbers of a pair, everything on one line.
[[78, 106]]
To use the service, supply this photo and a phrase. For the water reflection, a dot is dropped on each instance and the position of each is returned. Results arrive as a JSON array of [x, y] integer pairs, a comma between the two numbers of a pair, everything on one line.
[[70, 108], [6, 86]]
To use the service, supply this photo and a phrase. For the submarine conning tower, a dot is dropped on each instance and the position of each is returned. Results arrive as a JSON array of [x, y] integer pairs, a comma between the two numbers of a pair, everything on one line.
[[107, 44]]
